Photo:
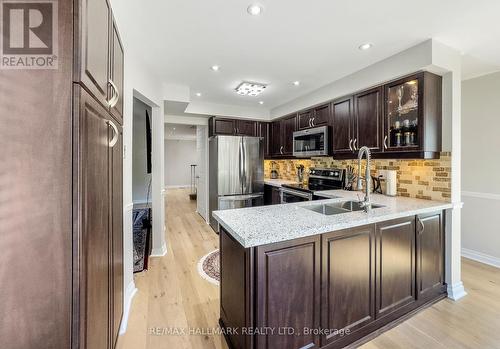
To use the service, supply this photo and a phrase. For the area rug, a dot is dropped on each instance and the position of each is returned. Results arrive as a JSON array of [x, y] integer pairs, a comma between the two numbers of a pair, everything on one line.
[[209, 267], [140, 218]]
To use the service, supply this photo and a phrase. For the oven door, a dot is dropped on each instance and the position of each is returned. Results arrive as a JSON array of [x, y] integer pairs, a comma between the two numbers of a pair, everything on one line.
[[289, 196], [311, 142]]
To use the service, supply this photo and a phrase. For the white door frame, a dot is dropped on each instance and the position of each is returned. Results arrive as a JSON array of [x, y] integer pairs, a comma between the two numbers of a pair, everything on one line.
[[196, 121], [159, 245]]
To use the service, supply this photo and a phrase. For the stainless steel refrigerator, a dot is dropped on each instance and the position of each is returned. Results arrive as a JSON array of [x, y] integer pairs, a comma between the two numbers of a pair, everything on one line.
[[236, 173]]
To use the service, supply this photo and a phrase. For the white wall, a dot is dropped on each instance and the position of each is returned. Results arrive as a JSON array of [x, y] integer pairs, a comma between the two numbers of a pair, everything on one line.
[[480, 171], [140, 178], [179, 155]]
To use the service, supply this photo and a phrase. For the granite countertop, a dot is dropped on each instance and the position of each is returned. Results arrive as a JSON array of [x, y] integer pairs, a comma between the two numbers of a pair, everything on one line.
[[262, 225], [278, 182]]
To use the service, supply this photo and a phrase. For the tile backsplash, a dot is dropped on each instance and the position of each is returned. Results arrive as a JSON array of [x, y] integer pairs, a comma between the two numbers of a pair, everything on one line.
[[424, 179]]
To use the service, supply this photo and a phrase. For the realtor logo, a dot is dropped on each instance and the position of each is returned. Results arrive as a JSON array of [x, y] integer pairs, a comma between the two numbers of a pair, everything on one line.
[[29, 34]]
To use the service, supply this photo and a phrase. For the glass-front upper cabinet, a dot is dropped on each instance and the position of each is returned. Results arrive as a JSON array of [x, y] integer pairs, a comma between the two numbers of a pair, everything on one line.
[[402, 113]]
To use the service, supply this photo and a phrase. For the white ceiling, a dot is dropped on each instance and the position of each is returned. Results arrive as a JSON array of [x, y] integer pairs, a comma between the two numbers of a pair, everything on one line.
[[314, 42]]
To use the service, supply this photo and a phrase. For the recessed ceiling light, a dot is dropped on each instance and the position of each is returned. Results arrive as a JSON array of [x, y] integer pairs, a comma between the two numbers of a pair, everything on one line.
[[296, 83], [198, 94], [250, 88], [254, 9], [215, 68], [261, 102], [365, 47], [173, 128]]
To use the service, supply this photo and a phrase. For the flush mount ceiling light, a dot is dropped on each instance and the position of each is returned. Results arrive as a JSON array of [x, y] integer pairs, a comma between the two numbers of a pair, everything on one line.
[[296, 83], [254, 9], [365, 47], [215, 68], [198, 94], [250, 88]]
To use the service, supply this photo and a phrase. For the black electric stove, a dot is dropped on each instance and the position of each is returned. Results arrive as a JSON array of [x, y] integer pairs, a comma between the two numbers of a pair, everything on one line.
[[319, 179]]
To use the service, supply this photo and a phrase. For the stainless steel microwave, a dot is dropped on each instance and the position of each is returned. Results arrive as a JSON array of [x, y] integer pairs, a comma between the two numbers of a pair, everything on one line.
[[311, 142]]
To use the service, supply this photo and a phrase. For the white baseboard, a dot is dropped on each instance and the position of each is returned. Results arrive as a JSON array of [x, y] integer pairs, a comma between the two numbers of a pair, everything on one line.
[[182, 186], [159, 252], [129, 294], [456, 291], [481, 257]]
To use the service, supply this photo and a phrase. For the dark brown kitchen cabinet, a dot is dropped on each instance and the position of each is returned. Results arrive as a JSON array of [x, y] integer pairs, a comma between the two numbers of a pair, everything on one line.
[[304, 119], [99, 59], [288, 127], [281, 136], [295, 264], [99, 238], [93, 63], [263, 131], [246, 128], [413, 116], [395, 264], [75, 263], [232, 127], [367, 120], [348, 298], [315, 117], [116, 71], [224, 127], [342, 126], [354, 281], [430, 255], [93, 240], [272, 195]]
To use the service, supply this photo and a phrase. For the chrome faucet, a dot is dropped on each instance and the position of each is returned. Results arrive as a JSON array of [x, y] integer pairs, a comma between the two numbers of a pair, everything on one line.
[[367, 202]]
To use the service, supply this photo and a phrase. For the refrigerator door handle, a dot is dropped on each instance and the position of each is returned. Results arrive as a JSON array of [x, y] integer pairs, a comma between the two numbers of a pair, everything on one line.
[[240, 165], [244, 172]]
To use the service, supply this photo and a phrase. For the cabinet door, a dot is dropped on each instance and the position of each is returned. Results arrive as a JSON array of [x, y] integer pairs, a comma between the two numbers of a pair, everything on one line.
[[288, 127], [395, 241], [94, 46], [263, 131], [321, 115], [246, 128], [348, 298], [342, 122], [93, 152], [304, 119], [116, 73], [276, 196], [116, 262], [275, 146], [430, 255], [368, 114], [294, 266], [224, 127]]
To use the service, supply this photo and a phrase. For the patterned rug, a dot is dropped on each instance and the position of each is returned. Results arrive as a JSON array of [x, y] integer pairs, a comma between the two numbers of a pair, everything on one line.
[[140, 238], [209, 267]]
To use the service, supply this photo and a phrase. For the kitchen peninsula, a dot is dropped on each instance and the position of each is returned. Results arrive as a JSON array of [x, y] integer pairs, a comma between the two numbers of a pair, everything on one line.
[[325, 274]]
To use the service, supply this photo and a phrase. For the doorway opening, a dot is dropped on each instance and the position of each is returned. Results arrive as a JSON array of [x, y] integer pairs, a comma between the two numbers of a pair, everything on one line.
[[186, 154], [141, 184]]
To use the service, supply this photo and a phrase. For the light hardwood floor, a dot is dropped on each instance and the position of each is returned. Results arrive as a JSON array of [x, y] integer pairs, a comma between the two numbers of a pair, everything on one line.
[[171, 294]]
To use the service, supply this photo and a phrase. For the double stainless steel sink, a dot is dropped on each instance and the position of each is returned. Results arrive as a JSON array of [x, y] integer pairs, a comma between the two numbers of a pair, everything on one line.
[[339, 207]]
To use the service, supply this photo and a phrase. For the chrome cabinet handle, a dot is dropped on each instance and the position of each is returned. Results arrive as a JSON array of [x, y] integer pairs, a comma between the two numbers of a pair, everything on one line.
[[422, 224], [385, 142], [281, 150], [115, 137], [312, 122], [116, 95], [354, 144], [350, 144]]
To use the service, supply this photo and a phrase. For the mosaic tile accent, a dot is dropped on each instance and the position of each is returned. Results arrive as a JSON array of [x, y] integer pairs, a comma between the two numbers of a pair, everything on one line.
[[421, 179]]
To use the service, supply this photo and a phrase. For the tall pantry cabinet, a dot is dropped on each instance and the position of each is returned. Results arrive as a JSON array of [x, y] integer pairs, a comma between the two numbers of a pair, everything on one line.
[[61, 210]]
